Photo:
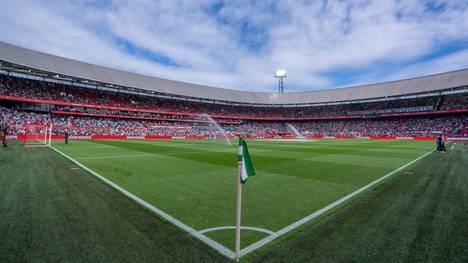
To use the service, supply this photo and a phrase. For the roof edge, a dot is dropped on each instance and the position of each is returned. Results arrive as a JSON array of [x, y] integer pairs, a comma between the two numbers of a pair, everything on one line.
[[70, 67]]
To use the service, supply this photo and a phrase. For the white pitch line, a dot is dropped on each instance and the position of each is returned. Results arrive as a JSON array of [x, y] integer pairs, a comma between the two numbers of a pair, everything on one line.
[[210, 242], [115, 156], [317, 213], [139, 155], [266, 231], [95, 146], [220, 248]]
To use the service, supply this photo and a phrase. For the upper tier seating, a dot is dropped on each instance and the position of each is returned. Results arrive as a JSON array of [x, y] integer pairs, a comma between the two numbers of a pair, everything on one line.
[[50, 91]]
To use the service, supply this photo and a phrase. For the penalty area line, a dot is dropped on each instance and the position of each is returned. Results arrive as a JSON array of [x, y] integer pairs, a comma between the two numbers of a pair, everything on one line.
[[210, 242], [319, 212]]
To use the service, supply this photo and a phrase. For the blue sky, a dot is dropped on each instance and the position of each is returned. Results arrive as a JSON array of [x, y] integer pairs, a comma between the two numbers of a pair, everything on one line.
[[239, 44]]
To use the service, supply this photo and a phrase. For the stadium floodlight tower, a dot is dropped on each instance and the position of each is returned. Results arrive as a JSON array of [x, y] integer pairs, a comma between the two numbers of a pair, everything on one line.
[[280, 74]]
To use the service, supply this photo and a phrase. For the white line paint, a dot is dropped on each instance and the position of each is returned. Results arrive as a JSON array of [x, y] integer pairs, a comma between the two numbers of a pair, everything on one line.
[[102, 146], [266, 231], [317, 213], [453, 145], [167, 155], [272, 235], [289, 140], [215, 245], [116, 156]]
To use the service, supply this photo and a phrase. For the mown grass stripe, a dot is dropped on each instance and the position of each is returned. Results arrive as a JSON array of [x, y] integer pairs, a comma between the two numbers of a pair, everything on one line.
[[215, 245], [338, 202]]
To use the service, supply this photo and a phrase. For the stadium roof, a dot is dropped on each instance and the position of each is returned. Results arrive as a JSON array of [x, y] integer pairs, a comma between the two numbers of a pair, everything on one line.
[[76, 69]]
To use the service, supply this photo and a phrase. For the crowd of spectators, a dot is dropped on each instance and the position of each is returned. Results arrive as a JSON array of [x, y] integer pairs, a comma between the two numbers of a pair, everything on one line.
[[454, 102], [139, 115], [136, 114], [52, 91], [413, 126], [86, 126], [23, 88], [393, 104], [455, 125]]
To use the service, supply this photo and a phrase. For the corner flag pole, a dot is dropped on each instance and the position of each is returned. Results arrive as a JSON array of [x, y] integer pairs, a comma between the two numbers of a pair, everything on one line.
[[239, 200], [245, 170]]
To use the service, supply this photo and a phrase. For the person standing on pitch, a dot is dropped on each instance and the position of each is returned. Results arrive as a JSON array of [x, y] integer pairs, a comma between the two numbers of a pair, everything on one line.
[[439, 143], [66, 137], [442, 144], [4, 137]]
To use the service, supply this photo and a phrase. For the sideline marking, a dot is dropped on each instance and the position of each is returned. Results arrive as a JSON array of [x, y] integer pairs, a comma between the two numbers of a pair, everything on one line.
[[115, 156], [317, 213], [210, 242], [289, 140], [266, 231], [163, 155], [166, 155]]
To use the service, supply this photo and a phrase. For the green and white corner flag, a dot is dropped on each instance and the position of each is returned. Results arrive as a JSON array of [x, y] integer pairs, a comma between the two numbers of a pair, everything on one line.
[[247, 168]]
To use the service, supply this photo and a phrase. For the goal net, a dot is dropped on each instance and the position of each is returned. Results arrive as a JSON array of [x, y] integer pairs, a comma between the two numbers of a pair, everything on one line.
[[37, 135]]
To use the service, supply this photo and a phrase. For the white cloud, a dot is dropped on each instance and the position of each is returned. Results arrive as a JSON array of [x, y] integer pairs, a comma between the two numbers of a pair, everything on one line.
[[310, 39], [454, 61]]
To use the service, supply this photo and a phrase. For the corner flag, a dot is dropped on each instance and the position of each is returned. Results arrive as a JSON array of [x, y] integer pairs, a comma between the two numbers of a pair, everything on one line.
[[247, 168]]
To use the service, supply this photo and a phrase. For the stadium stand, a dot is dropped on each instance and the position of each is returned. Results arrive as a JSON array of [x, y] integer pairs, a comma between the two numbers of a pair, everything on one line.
[[108, 113], [426, 106]]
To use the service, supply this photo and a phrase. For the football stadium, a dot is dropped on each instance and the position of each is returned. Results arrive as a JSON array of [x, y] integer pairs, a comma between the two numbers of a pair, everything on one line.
[[103, 164], [148, 167]]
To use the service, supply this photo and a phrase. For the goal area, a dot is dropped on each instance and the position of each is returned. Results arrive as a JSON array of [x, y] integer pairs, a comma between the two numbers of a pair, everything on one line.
[[37, 135]]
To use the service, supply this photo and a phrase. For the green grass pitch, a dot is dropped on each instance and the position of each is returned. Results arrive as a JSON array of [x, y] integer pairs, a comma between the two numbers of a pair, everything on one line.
[[195, 183]]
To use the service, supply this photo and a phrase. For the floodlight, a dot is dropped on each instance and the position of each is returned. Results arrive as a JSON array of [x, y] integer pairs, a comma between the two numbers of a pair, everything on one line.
[[280, 73]]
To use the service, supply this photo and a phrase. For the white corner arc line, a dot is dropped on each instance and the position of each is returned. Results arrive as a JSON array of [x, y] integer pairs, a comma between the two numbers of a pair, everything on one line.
[[266, 231], [210, 242], [317, 213]]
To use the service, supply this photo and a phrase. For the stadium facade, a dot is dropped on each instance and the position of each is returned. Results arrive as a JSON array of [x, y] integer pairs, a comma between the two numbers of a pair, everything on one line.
[[65, 88], [16, 58]]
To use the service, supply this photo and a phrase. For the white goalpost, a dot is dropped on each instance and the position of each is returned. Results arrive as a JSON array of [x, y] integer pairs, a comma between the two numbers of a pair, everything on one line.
[[37, 135]]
